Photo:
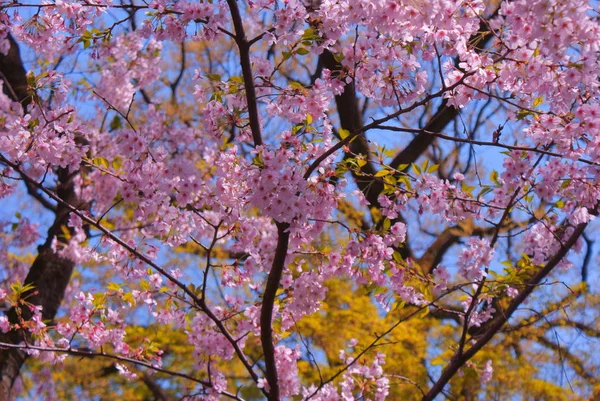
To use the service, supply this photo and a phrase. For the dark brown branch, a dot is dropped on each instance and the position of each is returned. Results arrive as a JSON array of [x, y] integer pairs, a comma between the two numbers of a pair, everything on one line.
[[50, 273], [435, 252], [570, 297], [451, 235], [175, 83], [89, 353], [196, 300], [266, 313], [155, 389], [459, 359], [376, 341], [479, 143], [244, 49], [376, 123], [565, 355], [446, 314], [581, 327], [445, 113], [13, 74], [417, 146], [31, 190], [351, 120], [480, 285]]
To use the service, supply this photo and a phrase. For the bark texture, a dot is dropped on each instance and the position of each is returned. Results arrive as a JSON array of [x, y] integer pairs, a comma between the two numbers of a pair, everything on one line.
[[50, 273]]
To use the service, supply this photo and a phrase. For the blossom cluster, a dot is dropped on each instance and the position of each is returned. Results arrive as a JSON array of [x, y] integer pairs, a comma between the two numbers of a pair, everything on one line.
[[251, 187]]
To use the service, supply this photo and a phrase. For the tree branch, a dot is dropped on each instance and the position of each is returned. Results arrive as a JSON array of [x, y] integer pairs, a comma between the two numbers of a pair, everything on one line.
[[196, 300], [564, 354], [12, 72], [88, 353], [266, 313], [459, 359], [244, 49], [50, 273]]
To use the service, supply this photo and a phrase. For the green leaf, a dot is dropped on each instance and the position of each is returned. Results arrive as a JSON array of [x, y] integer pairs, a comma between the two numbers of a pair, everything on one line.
[[390, 179], [302, 51], [522, 114], [116, 123], [296, 85], [494, 177], [433, 168], [66, 232], [19, 289], [98, 302], [485, 191], [258, 161], [387, 223], [31, 79], [101, 161], [388, 189], [308, 34], [344, 133], [399, 305], [113, 286], [438, 361], [382, 173], [338, 57], [467, 188], [128, 297], [33, 123]]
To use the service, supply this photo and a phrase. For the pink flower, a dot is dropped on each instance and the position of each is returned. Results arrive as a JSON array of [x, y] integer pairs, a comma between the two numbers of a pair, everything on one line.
[[580, 216], [4, 324], [486, 374]]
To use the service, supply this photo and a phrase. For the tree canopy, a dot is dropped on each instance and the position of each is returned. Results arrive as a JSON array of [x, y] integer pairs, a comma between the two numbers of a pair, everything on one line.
[[299, 200]]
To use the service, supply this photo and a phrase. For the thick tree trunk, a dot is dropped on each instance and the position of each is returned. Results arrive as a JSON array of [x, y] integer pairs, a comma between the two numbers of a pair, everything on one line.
[[13, 74], [49, 273]]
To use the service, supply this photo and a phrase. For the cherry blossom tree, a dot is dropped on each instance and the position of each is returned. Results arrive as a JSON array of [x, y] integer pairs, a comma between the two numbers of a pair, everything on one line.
[[201, 178]]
